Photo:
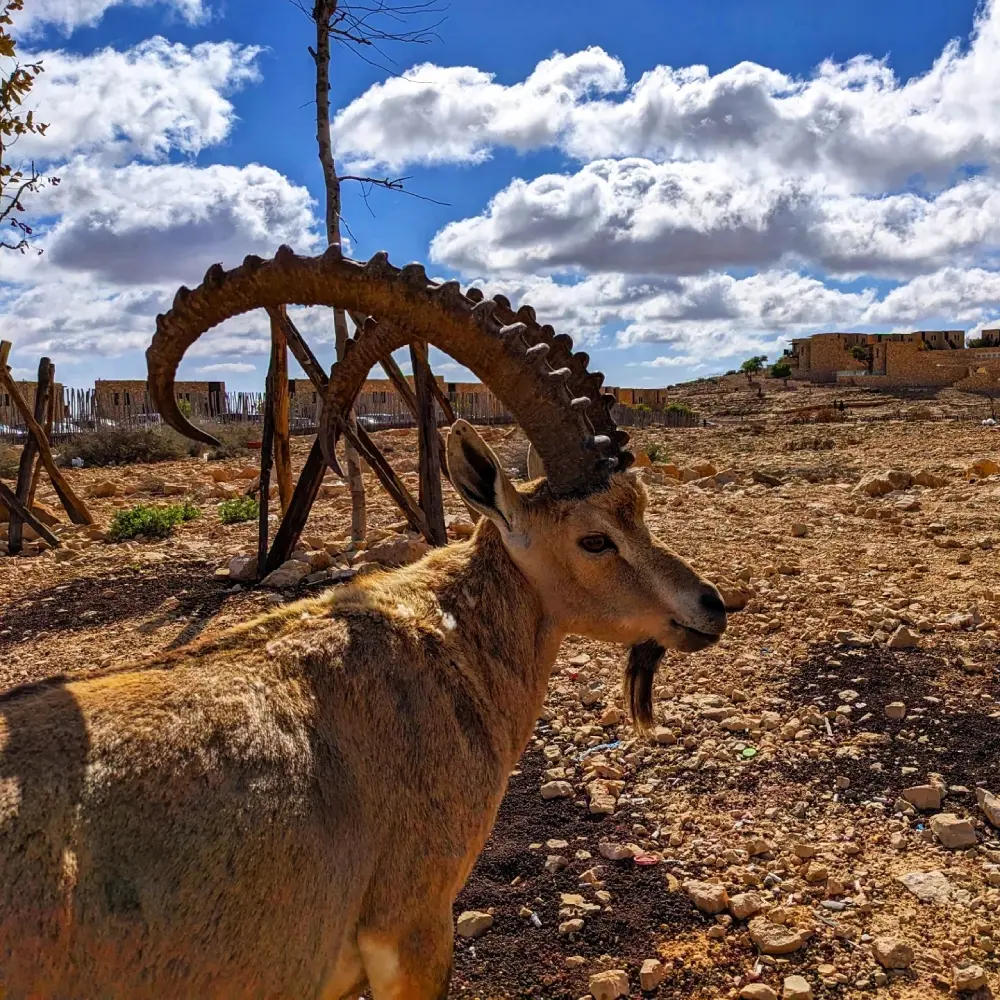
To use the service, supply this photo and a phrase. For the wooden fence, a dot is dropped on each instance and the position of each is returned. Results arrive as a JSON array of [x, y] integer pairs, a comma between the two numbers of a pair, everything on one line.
[[84, 410]]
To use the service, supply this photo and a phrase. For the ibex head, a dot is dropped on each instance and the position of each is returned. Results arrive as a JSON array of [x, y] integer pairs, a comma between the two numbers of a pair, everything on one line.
[[578, 535], [592, 559]]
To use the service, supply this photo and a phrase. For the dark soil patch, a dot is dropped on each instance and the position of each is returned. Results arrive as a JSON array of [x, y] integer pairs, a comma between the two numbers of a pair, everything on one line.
[[99, 602], [955, 734], [516, 958]]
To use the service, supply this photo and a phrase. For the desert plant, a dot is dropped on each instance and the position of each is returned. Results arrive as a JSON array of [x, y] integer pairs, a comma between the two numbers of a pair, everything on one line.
[[782, 370], [753, 365], [656, 452], [239, 509], [150, 521], [184, 406], [679, 408], [125, 445]]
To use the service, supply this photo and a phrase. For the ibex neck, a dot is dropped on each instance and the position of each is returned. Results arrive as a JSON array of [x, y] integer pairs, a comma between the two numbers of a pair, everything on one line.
[[504, 641]]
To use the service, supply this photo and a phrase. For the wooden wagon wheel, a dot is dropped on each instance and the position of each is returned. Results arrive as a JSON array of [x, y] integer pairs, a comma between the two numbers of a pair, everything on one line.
[[535, 374]]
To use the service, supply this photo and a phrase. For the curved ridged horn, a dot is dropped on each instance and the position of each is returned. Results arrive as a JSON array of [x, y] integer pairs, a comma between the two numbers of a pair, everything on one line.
[[536, 470], [580, 447]]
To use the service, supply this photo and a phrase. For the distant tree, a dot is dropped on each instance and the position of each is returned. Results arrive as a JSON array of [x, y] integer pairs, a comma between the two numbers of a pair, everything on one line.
[[978, 342], [782, 370], [753, 365], [859, 353], [20, 179]]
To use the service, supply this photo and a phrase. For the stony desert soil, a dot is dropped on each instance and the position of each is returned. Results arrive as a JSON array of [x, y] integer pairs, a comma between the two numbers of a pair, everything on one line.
[[781, 820]]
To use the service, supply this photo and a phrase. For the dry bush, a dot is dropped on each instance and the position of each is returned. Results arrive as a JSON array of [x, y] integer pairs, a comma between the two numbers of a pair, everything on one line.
[[10, 459], [125, 446], [811, 444]]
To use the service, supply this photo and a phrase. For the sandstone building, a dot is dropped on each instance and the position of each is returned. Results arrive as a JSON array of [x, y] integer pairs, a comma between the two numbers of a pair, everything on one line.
[[924, 358]]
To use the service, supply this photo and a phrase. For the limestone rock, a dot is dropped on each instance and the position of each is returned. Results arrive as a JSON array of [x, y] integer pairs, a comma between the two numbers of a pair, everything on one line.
[[952, 831], [243, 569], [609, 985], [757, 991], [557, 790], [984, 467], [288, 574], [774, 939], [796, 988], [928, 887], [895, 710], [924, 796], [875, 486], [990, 805], [928, 479], [106, 488], [650, 975], [969, 979], [892, 953], [745, 905], [395, 552], [708, 897], [903, 638], [473, 924]]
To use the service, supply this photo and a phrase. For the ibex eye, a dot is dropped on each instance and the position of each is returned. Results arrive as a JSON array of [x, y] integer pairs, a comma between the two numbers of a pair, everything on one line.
[[596, 543]]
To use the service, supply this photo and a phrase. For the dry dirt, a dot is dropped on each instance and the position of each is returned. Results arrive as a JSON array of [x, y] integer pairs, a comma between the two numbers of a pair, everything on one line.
[[775, 769]]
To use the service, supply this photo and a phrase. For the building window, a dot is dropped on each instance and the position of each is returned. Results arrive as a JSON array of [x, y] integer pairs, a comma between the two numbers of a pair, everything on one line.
[[128, 399], [116, 399]]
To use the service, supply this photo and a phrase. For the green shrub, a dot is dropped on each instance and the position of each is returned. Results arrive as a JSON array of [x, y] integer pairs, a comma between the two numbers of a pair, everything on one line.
[[125, 446], [239, 509], [679, 408], [656, 452], [781, 369], [234, 440], [149, 521]]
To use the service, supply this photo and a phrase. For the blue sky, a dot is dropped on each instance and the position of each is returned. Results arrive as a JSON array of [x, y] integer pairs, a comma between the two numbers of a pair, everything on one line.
[[677, 187]]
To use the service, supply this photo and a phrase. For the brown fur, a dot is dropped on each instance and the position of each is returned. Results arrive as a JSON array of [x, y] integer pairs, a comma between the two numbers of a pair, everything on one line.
[[288, 810]]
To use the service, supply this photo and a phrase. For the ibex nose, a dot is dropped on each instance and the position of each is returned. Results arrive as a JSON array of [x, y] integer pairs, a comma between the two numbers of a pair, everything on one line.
[[712, 604]]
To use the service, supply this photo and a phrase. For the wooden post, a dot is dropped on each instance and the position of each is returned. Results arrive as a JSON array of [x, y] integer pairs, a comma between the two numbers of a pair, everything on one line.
[[75, 507], [430, 457], [278, 380], [25, 471], [50, 417], [266, 454], [9, 499]]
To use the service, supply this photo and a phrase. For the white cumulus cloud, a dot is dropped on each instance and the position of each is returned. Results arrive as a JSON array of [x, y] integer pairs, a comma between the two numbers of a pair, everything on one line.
[[68, 15], [142, 102], [227, 368]]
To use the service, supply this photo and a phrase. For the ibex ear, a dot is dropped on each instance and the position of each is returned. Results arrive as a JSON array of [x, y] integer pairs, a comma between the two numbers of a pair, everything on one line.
[[535, 468], [478, 476]]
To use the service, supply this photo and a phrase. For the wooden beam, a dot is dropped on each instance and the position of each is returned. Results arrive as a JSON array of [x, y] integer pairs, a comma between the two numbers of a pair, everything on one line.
[[398, 379], [26, 469], [429, 453], [357, 437], [9, 499], [300, 349], [278, 377], [266, 454], [50, 417], [303, 498], [75, 507], [391, 483]]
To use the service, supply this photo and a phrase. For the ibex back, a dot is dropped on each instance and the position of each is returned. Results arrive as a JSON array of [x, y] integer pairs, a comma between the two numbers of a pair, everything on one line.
[[289, 810]]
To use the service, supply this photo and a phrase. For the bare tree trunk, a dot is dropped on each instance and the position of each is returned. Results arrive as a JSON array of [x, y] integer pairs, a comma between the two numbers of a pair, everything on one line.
[[323, 11]]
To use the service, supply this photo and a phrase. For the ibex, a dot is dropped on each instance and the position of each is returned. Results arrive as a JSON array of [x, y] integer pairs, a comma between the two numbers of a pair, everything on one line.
[[289, 810]]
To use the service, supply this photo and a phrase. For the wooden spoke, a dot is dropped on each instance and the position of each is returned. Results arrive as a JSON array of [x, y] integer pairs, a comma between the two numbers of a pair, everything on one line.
[[26, 469], [280, 411], [9, 498], [75, 507], [429, 447]]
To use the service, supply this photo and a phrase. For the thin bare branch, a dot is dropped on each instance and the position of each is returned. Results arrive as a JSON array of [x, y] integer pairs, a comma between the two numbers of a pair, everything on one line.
[[390, 184]]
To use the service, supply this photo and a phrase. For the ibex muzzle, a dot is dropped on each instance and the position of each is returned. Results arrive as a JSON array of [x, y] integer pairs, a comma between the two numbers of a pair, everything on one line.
[[288, 810]]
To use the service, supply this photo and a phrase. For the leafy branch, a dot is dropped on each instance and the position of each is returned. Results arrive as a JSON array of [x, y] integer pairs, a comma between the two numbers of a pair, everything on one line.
[[22, 179]]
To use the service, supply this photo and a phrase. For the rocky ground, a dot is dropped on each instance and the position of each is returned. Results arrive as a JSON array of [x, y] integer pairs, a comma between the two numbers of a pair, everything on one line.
[[811, 815]]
